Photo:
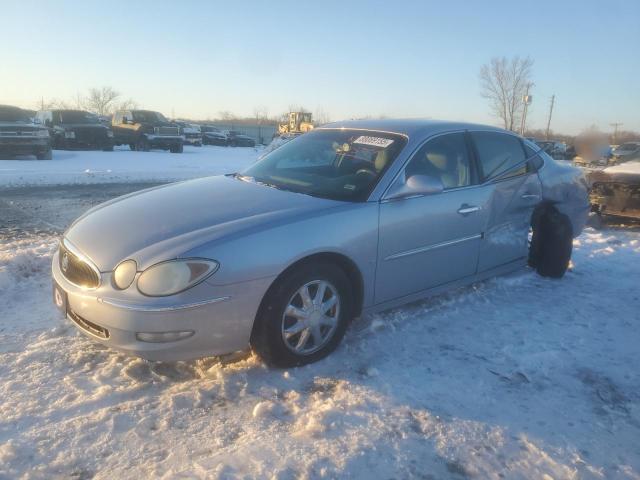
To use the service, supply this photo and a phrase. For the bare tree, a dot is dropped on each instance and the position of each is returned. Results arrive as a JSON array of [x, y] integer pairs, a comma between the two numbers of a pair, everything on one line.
[[504, 82], [260, 114], [226, 115], [53, 104], [320, 116], [102, 100]]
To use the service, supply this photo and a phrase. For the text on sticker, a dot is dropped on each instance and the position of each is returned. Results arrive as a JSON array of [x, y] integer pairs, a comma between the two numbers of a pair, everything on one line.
[[373, 141]]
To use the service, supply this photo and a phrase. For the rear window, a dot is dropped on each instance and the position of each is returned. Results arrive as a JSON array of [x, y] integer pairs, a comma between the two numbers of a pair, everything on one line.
[[498, 154]]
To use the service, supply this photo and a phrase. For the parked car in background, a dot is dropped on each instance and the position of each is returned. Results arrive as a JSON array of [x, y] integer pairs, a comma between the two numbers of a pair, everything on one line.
[[19, 135], [76, 130], [557, 150], [144, 130], [352, 217], [616, 190], [213, 136], [626, 152], [237, 139], [191, 132]]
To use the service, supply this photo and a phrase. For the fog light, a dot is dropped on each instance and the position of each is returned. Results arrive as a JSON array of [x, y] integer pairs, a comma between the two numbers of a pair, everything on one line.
[[161, 337]]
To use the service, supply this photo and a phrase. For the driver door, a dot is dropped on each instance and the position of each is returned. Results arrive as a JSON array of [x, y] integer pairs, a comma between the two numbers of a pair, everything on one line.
[[430, 240]]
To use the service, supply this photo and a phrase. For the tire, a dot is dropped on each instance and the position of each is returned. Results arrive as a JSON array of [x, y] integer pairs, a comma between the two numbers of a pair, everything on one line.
[[177, 148], [132, 146], [44, 155], [142, 145], [108, 149], [268, 335], [551, 244]]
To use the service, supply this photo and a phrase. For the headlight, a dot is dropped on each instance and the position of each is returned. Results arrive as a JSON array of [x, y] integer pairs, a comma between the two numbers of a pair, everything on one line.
[[124, 274], [42, 133], [175, 276], [69, 134]]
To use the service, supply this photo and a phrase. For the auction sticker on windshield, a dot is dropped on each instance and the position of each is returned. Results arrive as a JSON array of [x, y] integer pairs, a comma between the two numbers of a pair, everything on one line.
[[373, 141]]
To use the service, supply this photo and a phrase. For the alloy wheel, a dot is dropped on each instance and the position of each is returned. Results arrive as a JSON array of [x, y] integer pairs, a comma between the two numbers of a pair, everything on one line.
[[311, 317]]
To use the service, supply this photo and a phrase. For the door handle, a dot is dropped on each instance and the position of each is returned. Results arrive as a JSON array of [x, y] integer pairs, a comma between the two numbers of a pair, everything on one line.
[[530, 196], [467, 209]]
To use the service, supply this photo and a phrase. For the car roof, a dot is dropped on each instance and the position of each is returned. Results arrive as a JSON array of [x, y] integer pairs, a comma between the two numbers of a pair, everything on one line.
[[409, 127]]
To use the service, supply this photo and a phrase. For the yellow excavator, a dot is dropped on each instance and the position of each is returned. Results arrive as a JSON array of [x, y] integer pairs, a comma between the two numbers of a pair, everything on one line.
[[299, 122]]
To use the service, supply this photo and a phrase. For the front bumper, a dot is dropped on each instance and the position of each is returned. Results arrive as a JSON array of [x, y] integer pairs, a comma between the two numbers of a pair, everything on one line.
[[193, 140], [24, 146], [164, 141], [80, 144], [220, 317]]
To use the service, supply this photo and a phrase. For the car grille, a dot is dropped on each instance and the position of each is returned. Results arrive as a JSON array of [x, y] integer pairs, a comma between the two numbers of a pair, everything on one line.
[[90, 136], [77, 270], [18, 132], [167, 131], [88, 326]]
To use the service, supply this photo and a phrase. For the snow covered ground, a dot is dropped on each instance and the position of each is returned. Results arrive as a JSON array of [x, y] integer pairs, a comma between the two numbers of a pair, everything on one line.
[[123, 165], [516, 377]]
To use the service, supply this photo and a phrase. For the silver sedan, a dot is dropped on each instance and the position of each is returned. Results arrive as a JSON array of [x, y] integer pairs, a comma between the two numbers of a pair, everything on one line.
[[351, 218]]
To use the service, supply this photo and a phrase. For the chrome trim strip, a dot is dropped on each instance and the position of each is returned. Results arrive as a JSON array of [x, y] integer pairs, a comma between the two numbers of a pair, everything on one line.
[[432, 247], [82, 257], [148, 308]]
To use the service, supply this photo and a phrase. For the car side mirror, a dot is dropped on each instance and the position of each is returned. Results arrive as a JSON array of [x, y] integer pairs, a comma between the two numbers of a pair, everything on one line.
[[414, 186]]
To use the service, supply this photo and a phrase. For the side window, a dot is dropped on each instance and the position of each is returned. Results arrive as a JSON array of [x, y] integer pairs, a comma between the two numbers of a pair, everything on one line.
[[445, 157], [499, 152]]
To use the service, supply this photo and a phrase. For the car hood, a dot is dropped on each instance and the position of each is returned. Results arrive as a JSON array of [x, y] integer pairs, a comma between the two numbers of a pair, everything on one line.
[[165, 222]]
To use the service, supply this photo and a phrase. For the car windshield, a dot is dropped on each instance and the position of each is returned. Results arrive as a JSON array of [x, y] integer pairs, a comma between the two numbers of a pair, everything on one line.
[[335, 164], [148, 117], [77, 116], [13, 114]]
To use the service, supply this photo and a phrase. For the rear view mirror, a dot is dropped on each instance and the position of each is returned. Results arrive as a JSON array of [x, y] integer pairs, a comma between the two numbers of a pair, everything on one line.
[[415, 185]]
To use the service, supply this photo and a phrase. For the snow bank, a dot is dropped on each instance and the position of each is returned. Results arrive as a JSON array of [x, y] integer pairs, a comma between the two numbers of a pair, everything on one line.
[[123, 165], [516, 377]]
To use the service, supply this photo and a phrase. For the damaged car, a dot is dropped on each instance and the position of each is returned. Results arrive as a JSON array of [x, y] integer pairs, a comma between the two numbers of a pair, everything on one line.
[[352, 218], [615, 191]]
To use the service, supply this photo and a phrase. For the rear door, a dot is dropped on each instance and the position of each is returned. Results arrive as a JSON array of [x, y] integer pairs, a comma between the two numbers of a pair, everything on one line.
[[432, 240], [512, 194]]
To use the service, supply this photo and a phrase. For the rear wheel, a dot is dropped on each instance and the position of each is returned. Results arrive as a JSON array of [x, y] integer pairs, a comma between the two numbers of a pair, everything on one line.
[[551, 244], [304, 316], [176, 148], [132, 146]]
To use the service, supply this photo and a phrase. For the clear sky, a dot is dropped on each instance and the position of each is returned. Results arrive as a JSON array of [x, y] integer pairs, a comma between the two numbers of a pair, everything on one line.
[[349, 58]]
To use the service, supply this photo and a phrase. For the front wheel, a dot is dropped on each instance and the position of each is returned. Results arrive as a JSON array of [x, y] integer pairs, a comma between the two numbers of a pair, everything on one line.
[[304, 316], [44, 155], [551, 244], [142, 145], [177, 148]]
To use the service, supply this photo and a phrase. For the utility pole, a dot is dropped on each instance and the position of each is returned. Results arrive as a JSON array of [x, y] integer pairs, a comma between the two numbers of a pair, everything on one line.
[[615, 126], [527, 101], [553, 99]]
